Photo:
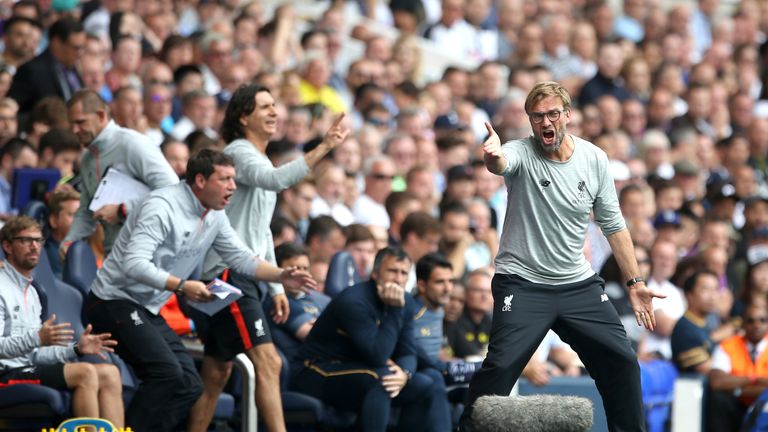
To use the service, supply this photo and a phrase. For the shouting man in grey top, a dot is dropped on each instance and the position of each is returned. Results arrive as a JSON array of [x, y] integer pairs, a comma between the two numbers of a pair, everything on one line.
[[554, 181], [162, 242], [249, 122]]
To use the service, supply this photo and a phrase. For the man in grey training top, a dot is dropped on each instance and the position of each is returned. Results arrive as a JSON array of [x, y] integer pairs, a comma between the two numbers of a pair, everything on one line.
[[543, 281]]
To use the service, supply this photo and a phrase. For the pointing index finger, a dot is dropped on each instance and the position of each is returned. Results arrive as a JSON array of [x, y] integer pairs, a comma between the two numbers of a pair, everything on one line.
[[490, 128], [338, 120]]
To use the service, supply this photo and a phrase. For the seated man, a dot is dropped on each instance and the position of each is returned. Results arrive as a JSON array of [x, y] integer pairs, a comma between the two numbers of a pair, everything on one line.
[[61, 212], [304, 307], [434, 281], [361, 354], [696, 334], [37, 352], [739, 371]]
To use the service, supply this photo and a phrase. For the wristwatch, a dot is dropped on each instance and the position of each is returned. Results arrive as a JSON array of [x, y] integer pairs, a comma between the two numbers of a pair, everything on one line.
[[634, 281]]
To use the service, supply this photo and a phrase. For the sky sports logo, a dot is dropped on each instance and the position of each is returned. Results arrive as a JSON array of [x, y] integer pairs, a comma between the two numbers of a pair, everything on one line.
[[85, 424]]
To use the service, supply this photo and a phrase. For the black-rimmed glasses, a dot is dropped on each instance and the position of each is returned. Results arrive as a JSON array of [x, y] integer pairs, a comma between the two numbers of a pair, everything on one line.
[[553, 116], [27, 241]]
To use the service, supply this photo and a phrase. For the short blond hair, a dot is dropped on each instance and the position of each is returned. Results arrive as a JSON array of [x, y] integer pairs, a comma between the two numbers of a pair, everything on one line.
[[544, 90]]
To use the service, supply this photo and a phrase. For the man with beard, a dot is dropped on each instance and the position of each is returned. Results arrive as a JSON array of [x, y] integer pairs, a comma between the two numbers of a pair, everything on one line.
[[543, 281], [249, 122]]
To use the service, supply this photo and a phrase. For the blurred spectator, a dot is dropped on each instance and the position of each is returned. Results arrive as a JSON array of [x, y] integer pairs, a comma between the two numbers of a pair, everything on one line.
[[127, 109], [617, 292], [294, 204], [198, 113], [315, 75], [304, 308], [369, 208], [9, 123], [696, 333], [60, 149], [607, 79], [455, 306], [419, 235], [330, 194], [455, 238], [667, 310], [61, 212], [399, 205], [16, 153], [361, 246], [157, 110], [177, 155], [49, 112], [553, 357], [21, 36], [33, 81], [738, 372], [325, 237], [469, 335], [126, 59]]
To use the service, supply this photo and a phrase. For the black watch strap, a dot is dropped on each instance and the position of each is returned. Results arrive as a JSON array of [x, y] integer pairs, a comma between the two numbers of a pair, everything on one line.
[[634, 281]]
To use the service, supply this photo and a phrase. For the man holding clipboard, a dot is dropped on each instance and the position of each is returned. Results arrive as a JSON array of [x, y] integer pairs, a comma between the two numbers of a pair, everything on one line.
[[109, 147], [163, 240]]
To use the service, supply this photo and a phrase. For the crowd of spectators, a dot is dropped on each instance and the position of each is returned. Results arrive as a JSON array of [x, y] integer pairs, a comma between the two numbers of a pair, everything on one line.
[[675, 94]]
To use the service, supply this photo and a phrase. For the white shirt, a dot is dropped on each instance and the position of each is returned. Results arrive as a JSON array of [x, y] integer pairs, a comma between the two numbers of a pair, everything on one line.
[[673, 306], [338, 211], [366, 211]]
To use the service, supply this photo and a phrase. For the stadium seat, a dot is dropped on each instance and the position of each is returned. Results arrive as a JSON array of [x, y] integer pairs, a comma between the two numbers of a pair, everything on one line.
[[37, 210], [302, 410], [80, 267], [657, 378], [341, 274]]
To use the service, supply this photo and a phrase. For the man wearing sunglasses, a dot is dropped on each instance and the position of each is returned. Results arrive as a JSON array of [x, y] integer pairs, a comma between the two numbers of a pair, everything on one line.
[[739, 371], [543, 281]]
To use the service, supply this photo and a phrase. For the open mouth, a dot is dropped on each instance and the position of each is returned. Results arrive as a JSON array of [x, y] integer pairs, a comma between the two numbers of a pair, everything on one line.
[[548, 134], [226, 198]]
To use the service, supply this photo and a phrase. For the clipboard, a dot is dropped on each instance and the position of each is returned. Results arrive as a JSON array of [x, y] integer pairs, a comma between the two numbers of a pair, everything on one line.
[[116, 188], [223, 295]]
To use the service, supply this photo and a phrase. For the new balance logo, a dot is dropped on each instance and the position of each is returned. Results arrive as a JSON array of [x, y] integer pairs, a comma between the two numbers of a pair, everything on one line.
[[603, 297], [136, 318], [507, 303]]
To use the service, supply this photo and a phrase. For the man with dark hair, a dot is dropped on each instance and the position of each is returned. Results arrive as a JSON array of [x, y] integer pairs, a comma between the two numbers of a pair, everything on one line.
[[694, 335], [294, 204], [16, 153], [54, 71], [21, 35], [162, 242], [59, 148], [109, 146], [324, 238], [249, 122], [305, 308], [361, 355], [419, 235], [61, 212], [37, 352], [399, 205]]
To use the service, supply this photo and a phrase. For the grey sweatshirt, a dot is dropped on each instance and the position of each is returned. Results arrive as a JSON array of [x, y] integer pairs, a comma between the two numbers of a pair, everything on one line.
[[128, 151], [169, 233], [20, 322], [253, 203], [548, 209]]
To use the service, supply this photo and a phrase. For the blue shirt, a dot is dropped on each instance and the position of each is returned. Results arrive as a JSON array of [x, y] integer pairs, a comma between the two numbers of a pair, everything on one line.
[[691, 345]]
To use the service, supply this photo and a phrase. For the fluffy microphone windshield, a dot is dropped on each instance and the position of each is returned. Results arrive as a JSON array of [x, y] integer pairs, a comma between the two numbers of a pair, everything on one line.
[[536, 413]]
